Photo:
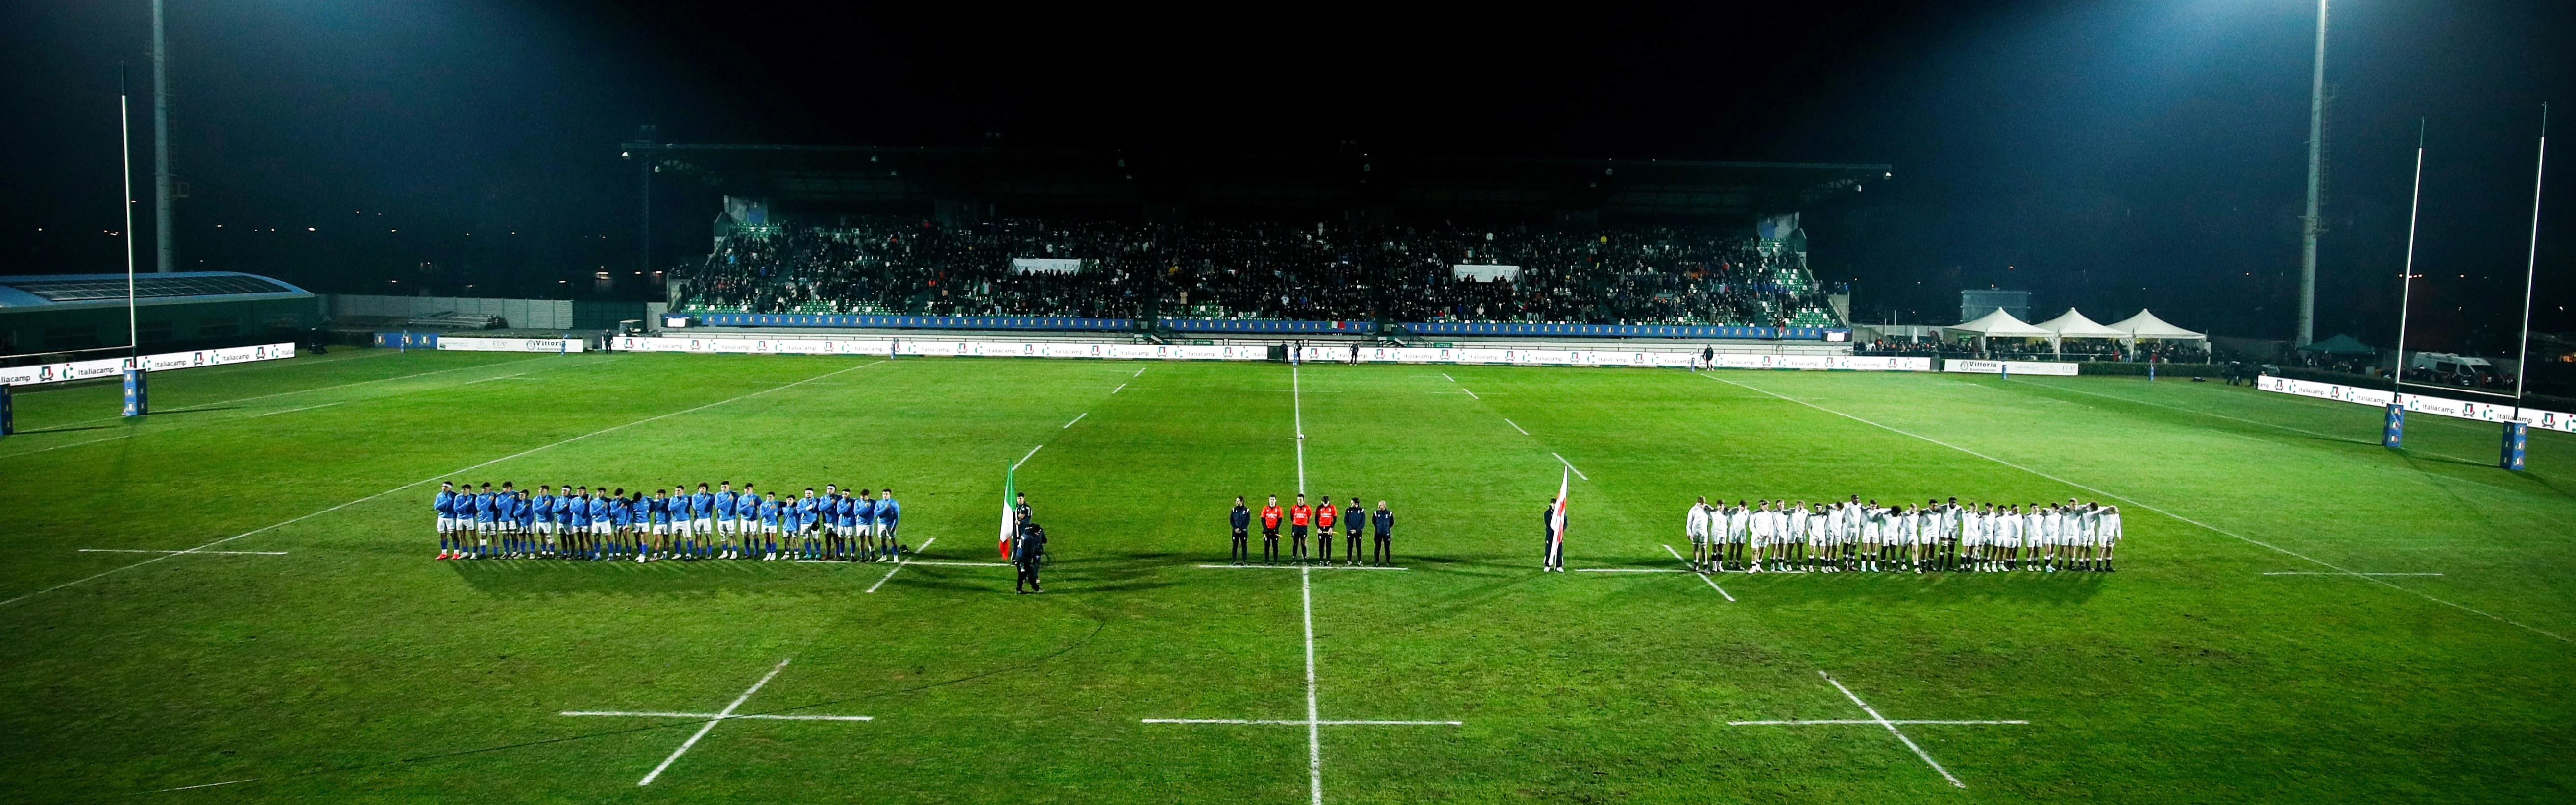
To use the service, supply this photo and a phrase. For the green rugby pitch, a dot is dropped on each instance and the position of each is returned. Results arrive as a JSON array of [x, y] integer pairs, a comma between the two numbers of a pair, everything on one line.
[[352, 667]]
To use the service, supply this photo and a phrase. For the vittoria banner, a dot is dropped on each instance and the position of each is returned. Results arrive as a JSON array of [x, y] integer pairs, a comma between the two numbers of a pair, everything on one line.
[[450, 342]]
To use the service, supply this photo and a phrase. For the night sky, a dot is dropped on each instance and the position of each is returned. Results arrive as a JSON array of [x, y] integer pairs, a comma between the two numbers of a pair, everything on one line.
[[2104, 155]]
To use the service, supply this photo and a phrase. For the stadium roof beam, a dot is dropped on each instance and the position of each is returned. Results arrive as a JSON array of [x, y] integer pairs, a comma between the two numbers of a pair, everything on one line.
[[905, 180]]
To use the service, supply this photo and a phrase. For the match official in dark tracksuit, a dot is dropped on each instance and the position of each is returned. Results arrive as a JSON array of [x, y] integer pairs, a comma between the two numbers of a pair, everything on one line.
[[1384, 523], [1351, 522], [1242, 519], [1025, 556]]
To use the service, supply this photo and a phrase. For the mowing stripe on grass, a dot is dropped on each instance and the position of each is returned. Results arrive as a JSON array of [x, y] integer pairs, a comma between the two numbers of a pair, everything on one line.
[[2271, 425], [1301, 567], [209, 406], [2143, 505], [528, 451], [319, 388], [211, 553], [2314, 573], [1297, 403], [293, 410]]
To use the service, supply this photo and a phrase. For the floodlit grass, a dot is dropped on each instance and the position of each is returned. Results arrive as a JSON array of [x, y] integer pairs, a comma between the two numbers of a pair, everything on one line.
[[354, 668]]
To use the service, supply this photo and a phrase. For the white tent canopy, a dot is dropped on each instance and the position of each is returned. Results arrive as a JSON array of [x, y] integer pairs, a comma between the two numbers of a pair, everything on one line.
[[1998, 324], [2146, 325], [2076, 325]]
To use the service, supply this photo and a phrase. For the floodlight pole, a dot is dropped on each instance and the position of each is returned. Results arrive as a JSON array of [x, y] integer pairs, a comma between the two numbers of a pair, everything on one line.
[[2530, 267], [2308, 222], [125, 156], [2406, 288], [160, 143]]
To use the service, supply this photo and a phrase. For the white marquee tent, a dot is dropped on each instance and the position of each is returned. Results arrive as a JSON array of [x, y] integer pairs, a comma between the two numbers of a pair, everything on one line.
[[1998, 324], [2075, 325], [2145, 326]]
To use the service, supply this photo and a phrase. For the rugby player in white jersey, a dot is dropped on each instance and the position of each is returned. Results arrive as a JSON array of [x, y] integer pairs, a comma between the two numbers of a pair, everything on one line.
[[1696, 526]]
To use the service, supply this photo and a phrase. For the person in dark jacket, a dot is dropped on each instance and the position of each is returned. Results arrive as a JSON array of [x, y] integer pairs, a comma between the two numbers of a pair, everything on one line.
[[1026, 556], [1383, 522], [1242, 519], [1351, 522]]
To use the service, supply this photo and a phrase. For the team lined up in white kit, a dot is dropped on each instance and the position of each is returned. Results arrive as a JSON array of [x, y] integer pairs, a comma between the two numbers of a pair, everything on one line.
[[1853, 535]]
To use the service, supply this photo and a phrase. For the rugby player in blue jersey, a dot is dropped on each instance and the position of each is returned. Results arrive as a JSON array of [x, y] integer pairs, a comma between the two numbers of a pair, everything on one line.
[[542, 509], [445, 503], [888, 514], [863, 515], [768, 511], [485, 510], [603, 529], [845, 516], [702, 507], [523, 524]]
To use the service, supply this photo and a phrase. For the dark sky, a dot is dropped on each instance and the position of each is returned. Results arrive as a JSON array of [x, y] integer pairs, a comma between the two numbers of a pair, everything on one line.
[[2106, 155]]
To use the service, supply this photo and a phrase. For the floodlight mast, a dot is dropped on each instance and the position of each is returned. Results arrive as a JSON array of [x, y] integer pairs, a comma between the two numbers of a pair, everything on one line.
[[160, 143], [2406, 288], [2308, 223]]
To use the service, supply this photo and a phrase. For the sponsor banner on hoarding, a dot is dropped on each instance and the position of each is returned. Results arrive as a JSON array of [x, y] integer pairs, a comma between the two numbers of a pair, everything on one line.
[[934, 347], [457, 343], [2438, 406], [2009, 367], [110, 367], [1045, 265], [1671, 359]]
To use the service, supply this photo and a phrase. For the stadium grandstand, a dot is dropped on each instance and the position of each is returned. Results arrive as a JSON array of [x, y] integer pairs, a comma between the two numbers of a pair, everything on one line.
[[47, 315], [968, 238]]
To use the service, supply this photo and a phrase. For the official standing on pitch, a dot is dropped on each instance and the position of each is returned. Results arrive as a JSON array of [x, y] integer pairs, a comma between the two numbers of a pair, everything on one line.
[[1351, 529], [1242, 519], [1384, 523], [1549, 559], [1026, 555], [1270, 515]]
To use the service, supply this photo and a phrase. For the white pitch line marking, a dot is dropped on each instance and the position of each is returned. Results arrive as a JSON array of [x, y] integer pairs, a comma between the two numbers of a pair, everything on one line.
[[310, 390], [1301, 567], [207, 785], [1868, 721], [2143, 505], [1121, 387], [528, 451], [1628, 570], [767, 716], [1471, 395], [1140, 372], [1025, 459], [906, 559], [1314, 721], [1892, 730], [956, 564], [1517, 426], [1297, 398], [1076, 418], [1328, 723], [211, 553], [2318, 573], [1445, 376], [1712, 583], [490, 379], [714, 718], [293, 410], [1570, 465]]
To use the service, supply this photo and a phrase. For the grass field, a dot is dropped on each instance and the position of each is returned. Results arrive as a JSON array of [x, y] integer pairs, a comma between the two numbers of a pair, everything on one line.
[[354, 668]]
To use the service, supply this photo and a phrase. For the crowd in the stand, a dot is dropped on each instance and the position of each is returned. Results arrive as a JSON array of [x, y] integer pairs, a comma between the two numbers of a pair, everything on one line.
[[1318, 271], [1779, 536]]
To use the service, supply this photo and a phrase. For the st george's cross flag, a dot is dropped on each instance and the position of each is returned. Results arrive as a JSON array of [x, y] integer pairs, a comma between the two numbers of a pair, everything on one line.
[[1010, 524], [1556, 523]]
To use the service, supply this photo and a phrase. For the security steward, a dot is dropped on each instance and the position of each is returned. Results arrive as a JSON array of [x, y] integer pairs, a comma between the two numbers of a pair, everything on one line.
[[1352, 519], [1026, 556], [1383, 522], [1242, 520]]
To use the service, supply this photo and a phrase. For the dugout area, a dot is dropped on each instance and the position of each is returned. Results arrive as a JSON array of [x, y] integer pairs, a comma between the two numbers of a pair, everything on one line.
[[234, 599]]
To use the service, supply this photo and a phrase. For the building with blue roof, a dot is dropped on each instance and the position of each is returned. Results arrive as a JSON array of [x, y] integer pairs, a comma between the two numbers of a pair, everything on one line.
[[188, 309]]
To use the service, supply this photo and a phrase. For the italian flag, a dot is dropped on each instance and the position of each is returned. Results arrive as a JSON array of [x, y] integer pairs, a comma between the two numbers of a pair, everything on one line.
[[1008, 517]]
